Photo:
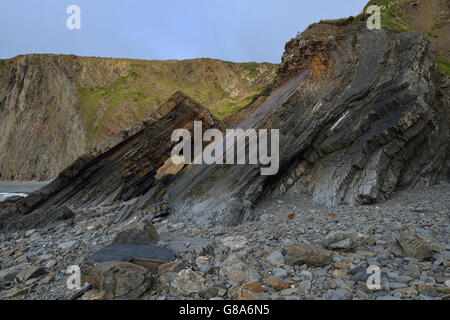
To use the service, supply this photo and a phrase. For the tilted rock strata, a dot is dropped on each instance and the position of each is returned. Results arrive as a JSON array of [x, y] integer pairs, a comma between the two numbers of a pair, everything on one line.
[[123, 173], [371, 122]]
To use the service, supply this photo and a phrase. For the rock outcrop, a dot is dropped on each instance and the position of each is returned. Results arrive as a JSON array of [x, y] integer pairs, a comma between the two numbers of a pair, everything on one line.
[[54, 108], [361, 113], [123, 173]]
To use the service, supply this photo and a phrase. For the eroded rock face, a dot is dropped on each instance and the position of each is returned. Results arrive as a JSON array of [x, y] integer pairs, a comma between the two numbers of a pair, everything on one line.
[[54, 108], [360, 116]]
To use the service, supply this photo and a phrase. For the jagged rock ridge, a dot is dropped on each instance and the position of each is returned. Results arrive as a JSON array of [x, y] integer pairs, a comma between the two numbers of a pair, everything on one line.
[[361, 114], [54, 108]]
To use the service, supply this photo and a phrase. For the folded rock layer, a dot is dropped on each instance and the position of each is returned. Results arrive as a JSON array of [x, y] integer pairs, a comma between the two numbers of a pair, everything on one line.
[[361, 113], [122, 173]]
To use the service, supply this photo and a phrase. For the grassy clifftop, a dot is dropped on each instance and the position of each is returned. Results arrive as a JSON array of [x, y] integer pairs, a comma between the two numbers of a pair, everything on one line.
[[429, 18], [142, 86]]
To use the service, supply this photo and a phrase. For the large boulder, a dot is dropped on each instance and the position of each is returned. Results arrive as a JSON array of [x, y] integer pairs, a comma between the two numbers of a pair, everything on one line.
[[308, 254], [118, 280], [412, 245]]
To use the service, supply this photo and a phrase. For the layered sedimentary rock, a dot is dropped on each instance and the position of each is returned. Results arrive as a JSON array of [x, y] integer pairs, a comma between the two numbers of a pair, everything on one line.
[[124, 172], [361, 113], [54, 108]]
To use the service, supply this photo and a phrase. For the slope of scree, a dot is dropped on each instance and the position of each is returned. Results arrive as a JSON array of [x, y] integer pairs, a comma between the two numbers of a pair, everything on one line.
[[126, 171]]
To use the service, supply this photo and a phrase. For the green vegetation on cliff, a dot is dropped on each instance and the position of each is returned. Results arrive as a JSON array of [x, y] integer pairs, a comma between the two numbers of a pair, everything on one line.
[[443, 65], [223, 87]]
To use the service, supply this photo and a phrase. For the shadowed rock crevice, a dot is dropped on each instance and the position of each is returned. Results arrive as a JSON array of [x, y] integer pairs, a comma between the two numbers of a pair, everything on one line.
[[54, 108], [118, 176]]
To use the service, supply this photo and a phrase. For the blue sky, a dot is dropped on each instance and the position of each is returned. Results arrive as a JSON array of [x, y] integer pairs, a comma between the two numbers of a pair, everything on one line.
[[234, 30]]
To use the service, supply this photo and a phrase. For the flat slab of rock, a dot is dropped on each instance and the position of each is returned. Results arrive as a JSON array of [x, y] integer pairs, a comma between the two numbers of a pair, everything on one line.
[[126, 252]]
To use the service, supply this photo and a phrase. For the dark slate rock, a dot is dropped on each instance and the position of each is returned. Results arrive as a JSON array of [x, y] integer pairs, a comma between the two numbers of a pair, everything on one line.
[[125, 252]]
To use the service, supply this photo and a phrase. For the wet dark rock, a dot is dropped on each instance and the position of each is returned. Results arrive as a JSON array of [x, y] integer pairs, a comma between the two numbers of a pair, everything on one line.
[[66, 214], [9, 202], [126, 252]]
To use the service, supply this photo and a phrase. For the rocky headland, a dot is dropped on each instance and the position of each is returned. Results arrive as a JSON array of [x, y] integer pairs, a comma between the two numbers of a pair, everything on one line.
[[363, 181]]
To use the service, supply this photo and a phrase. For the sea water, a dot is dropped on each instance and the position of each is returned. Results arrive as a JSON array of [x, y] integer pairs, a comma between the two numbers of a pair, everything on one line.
[[5, 195]]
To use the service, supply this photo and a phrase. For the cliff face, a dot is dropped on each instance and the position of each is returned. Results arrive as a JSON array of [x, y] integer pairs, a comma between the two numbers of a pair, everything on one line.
[[41, 131], [55, 108], [361, 113]]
